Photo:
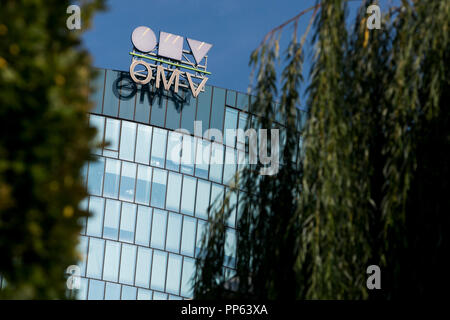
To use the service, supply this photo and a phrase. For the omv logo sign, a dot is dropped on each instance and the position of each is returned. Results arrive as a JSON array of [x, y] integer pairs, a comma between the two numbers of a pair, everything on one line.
[[169, 58]]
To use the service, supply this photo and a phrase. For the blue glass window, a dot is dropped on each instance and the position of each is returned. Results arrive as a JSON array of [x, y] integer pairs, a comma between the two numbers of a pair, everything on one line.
[[95, 258], [159, 229], [231, 221], [188, 155], [112, 177], [173, 232], [127, 181], [188, 111], [242, 101], [174, 151], [159, 296], [159, 188], [98, 123], [187, 275], [112, 133], [229, 169], [174, 274], [188, 236], [158, 147], [217, 108], [231, 98], [128, 293], [216, 163], [241, 136], [127, 140], [144, 261], [202, 203], [158, 270], [144, 178], [202, 158], [112, 217], [95, 221], [110, 100], [230, 248], [144, 294], [143, 225], [216, 197], [204, 107], [230, 126], [201, 229], [82, 293], [143, 143], [172, 297], [111, 264], [82, 249], [188, 195], [127, 222], [173, 191], [96, 289], [112, 291], [95, 176], [97, 94], [173, 114], [127, 262]]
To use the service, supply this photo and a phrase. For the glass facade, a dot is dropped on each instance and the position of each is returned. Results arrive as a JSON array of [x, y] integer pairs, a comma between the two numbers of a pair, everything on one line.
[[149, 208]]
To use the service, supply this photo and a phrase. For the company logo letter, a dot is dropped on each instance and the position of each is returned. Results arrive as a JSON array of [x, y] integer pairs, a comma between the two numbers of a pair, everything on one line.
[[199, 49], [196, 91]]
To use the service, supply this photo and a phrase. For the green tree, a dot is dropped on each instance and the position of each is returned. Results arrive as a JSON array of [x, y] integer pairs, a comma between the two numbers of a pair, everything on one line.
[[372, 183], [44, 142]]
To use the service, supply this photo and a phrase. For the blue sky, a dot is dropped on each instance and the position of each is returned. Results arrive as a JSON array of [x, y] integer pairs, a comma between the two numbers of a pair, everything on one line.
[[234, 27]]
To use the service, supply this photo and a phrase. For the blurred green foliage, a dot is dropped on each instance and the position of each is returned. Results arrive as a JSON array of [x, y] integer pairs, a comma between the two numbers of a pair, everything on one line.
[[373, 182], [44, 142]]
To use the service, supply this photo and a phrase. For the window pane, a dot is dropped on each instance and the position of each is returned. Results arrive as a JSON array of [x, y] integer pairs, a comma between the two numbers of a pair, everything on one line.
[[95, 221], [143, 143], [230, 248], [82, 293], [144, 294], [159, 229], [158, 147], [95, 258], [111, 265], [216, 199], [242, 101], [127, 222], [204, 107], [159, 296], [216, 163], [82, 248], [230, 126], [127, 264], [171, 297], [202, 158], [188, 195], [174, 274], [112, 134], [98, 123], [173, 114], [202, 203], [143, 225], [187, 241], [127, 181], [188, 155], [230, 165], [218, 108], [112, 176], [144, 179], [127, 140], [174, 151], [112, 291], [144, 262], [188, 111], [95, 176], [173, 232], [159, 188], [173, 191], [201, 228], [96, 289], [128, 293], [231, 221], [188, 273], [231, 98], [112, 217], [159, 270]]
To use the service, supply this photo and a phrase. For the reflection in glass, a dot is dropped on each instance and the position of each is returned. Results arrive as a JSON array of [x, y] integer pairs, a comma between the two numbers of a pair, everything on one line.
[[127, 261], [174, 191], [112, 217], [188, 155], [95, 176], [174, 272], [144, 178], [158, 147], [112, 132], [143, 143], [188, 236], [143, 225], [127, 140], [112, 176], [216, 163], [95, 258], [230, 165], [188, 273], [127, 222], [174, 151], [95, 221], [82, 249], [230, 248], [201, 229], [111, 264], [144, 261], [144, 294], [159, 229], [159, 188], [230, 123], [127, 181], [158, 270], [216, 197], [173, 232], [202, 158], [98, 123], [159, 296], [202, 203], [128, 293], [188, 195]]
